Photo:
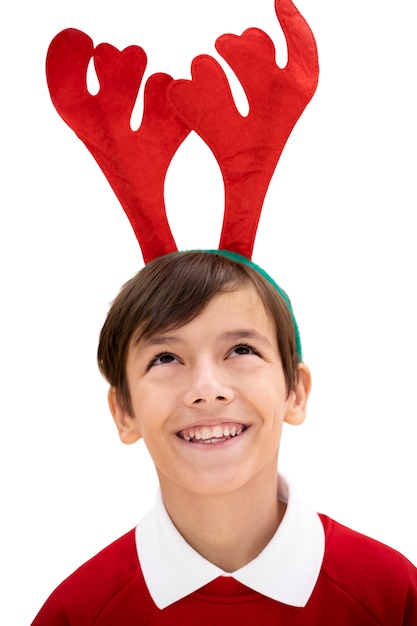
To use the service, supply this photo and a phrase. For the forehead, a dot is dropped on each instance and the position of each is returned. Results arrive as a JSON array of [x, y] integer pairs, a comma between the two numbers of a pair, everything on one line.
[[236, 314], [243, 303]]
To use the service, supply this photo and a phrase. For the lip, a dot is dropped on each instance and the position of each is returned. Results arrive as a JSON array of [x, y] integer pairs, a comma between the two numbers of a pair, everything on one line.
[[210, 442], [212, 421]]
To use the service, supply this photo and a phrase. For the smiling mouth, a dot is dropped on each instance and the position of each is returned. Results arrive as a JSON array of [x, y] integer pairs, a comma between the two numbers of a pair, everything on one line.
[[212, 434]]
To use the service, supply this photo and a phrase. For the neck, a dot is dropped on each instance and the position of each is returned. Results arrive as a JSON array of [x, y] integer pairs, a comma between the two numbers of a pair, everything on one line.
[[228, 529]]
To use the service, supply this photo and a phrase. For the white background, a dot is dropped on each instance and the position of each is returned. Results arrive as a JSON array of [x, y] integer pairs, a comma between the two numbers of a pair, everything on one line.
[[337, 232]]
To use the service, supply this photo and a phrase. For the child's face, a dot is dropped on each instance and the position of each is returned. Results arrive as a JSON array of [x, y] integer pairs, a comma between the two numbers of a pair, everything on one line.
[[209, 398]]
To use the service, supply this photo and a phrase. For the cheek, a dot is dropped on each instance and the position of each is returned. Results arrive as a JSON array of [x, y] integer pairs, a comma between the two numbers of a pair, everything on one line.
[[151, 409], [267, 389], [271, 403]]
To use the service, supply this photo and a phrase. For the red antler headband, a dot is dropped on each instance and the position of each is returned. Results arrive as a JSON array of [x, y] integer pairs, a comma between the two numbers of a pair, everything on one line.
[[136, 162]]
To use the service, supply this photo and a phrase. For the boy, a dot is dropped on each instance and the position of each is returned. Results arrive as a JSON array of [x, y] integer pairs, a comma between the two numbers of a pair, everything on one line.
[[201, 352]]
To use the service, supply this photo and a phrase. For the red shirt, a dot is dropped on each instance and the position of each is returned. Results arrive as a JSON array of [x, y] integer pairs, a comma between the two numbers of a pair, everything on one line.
[[361, 583]]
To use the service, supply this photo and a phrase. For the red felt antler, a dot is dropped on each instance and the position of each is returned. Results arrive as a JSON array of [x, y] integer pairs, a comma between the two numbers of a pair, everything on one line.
[[134, 162], [248, 148]]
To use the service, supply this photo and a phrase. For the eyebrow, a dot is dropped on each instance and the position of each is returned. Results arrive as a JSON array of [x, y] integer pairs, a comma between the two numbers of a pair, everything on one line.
[[155, 340], [229, 335], [245, 333]]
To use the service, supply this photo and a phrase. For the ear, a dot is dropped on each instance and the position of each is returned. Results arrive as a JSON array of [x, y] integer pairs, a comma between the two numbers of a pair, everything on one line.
[[297, 400], [126, 424]]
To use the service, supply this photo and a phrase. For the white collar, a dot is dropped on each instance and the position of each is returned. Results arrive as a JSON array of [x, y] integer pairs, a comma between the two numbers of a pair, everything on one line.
[[286, 570]]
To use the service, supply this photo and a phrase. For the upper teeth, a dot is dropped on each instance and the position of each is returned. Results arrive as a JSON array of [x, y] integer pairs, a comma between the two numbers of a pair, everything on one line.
[[204, 433]]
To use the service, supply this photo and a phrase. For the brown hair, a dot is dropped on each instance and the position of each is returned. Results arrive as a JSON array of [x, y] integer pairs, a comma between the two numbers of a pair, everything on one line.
[[171, 291]]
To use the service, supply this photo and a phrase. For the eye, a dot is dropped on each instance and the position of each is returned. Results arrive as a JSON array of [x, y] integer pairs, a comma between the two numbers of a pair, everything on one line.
[[243, 349], [163, 358]]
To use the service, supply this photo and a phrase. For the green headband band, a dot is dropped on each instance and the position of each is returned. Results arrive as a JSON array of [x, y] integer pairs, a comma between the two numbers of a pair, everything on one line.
[[238, 258]]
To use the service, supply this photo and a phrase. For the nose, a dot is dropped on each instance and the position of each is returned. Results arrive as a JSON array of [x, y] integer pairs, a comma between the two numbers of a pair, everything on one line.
[[206, 385]]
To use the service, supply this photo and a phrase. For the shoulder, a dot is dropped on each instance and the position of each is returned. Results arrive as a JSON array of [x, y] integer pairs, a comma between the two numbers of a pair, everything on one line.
[[375, 576], [84, 594]]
